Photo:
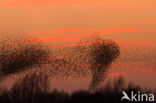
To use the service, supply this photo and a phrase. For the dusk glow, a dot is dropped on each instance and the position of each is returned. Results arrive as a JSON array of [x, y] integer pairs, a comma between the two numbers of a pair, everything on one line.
[[73, 45]]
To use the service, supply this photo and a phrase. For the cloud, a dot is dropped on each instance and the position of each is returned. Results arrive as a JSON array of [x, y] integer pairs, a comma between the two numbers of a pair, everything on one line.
[[93, 30], [78, 34]]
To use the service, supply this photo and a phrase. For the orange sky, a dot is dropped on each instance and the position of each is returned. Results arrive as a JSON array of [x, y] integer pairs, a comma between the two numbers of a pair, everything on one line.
[[42, 3], [43, 15], [131, 23]]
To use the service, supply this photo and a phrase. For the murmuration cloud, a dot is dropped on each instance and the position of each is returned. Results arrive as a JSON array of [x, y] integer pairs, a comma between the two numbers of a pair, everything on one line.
[[56, 62]]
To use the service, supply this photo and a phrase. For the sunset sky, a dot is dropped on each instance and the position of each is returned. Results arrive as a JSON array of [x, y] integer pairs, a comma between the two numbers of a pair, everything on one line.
[[131, 23]]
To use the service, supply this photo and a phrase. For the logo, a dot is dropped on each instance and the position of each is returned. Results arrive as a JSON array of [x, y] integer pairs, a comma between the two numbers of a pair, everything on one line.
[[137, 97]]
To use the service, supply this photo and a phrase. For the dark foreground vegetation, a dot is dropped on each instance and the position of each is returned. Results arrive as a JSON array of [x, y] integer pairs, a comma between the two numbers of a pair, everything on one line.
[[28, 92]]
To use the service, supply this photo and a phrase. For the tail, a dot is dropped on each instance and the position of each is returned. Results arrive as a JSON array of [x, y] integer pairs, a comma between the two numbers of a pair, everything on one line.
[[98, 77]]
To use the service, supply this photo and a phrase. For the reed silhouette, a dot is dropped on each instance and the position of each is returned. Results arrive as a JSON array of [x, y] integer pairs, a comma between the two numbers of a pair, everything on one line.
[[31, 93]]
